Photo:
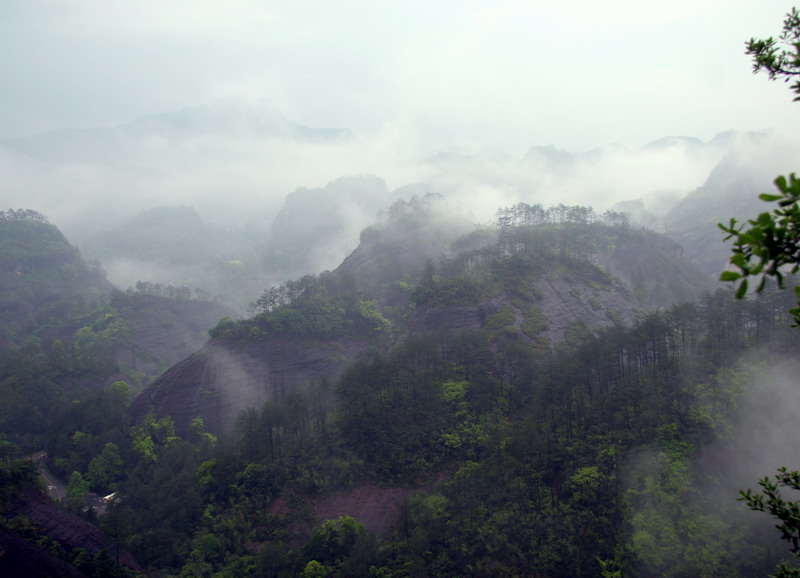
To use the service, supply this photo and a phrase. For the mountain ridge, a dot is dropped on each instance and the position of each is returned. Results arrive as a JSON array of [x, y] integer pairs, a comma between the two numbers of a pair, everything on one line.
[[540, 299], [220, 118]]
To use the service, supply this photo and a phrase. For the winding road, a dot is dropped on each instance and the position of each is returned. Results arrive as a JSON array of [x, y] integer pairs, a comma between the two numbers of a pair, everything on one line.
[[57, 490]]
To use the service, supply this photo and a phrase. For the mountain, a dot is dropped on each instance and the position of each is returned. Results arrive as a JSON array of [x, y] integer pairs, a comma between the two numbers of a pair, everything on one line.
[[669, 142], [174, 246], [450, 396], [540, 287], [312, 340], [65, 331], [42, 277], [220, 119], [316, 228], [313, 231], [731, 190]]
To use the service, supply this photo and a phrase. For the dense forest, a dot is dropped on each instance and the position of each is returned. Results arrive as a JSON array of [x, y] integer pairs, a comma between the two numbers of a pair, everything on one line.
[[505, 452]]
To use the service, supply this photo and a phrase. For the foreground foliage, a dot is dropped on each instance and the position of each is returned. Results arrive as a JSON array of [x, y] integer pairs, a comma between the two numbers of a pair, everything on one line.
[[771, 248]]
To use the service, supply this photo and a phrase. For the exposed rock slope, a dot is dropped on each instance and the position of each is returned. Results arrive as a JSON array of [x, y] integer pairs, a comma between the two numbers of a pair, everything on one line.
[[21, 558], [222, 379], [655, 269], [164, 331], [68, 530]]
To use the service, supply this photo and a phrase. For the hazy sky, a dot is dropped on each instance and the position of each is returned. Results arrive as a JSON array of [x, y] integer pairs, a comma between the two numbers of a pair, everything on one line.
[[468, 74]]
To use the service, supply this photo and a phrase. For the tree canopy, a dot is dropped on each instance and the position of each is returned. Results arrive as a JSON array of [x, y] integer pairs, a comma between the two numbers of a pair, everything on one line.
[[779, 58]]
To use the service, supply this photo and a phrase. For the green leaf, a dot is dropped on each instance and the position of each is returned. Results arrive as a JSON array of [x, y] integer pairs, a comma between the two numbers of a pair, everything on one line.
[[742, 291], [770, 198], [729, 276], [738, 259]]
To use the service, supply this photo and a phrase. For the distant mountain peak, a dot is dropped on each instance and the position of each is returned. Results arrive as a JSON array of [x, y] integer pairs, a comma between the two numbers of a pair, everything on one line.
[[673, 141], [217, 116], [226, 118]]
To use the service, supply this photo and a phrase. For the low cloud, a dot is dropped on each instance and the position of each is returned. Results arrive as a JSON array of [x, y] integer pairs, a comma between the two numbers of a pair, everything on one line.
[[89, 180]]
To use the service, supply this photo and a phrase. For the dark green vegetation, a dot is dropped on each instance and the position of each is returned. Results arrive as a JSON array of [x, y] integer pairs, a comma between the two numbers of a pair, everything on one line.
[[65, 330], [568, 464], [519, 452], [770, 247], [779, 58], [43, 277], [785, 511]]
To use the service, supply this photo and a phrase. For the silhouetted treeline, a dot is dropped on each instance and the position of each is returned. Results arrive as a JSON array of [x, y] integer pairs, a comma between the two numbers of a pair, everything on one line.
[[170, 291]]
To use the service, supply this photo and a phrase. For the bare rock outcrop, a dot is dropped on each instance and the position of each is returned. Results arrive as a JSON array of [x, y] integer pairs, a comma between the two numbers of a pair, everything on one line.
[[561, 301], [453, 318], [567, 301], [21, 558], [372, 506], [655, 270], [164, 331], [221, 380], [65, 528]]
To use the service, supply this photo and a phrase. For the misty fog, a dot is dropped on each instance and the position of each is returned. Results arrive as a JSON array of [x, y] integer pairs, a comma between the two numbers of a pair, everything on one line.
[[238, 162]]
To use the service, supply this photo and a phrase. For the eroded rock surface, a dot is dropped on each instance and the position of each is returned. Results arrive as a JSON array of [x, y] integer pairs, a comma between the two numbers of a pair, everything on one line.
[[65, 528], [222, 379], [165, 331]]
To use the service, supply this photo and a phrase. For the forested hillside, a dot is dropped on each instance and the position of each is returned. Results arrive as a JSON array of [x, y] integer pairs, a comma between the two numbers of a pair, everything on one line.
[[611, 454], [42, 276], [532, 278], [533, 437], [67, 332], [558, 394]]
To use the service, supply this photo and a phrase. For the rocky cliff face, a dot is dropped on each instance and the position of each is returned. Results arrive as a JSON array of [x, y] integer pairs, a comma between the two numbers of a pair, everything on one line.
[[655, 269], [222, 379], [545, 309], [21, 558], [165, 331], [56, 523]]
